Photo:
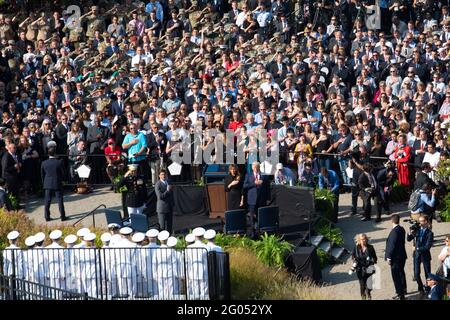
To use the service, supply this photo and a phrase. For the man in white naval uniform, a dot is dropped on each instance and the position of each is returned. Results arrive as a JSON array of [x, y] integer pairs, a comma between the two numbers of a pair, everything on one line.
[[123, 255], [151, 250], [107, 265], [80, 234], [209, 236], [164, 267], [139, 285], [88, 260], [197, 267], [72, 277], [29, 267], [56, 264], [13, 258], [40, 264]]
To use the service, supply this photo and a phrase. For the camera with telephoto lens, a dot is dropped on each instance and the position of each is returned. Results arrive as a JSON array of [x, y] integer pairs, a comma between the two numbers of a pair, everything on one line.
[[414, 227], [353, 268]]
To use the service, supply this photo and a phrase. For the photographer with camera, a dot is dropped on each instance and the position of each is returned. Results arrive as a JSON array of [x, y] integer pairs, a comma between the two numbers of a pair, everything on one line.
[[426, 203], [422, 238], [364, 258], [136, 193]]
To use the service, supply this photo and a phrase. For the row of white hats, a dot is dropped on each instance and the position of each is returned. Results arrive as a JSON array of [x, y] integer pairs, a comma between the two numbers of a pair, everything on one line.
[[87, 235]]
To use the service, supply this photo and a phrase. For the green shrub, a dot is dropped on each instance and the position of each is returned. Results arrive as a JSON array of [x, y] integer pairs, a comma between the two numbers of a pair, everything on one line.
[[13, 200], [324, 202], [332, 234], [443, 170], [116, 182], [323, 258], [271, 250], [399, 193], [445, 209]]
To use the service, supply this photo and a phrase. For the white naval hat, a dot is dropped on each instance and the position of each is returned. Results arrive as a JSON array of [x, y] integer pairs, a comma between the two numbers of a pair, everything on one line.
[[152, 233], [13, 235], [198, 232], [82, 232], [30, 241], [138, 237], [89, 237], [106, 237], [39, 237], [55, 234], [71, 238], [163, 235], [210, 234], [189, 238], [113, 226], [172, 242], [126, 231]]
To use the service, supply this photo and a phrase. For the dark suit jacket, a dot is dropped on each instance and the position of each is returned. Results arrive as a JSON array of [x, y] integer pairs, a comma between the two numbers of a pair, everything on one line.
[[256, 195], [116, 109], [191, 99], [436, 293], [421, 179], [96, 143], [61, 138], [418, 159], [52, 173], [423, 245], [164, 198], [4, 200], [9, 172], [273, 69], [395, 244], [152, 145]]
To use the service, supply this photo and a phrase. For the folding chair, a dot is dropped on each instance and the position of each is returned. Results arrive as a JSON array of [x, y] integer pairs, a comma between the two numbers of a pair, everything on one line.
[[268, 219], [139, 222], [113, 216], [235, 222]]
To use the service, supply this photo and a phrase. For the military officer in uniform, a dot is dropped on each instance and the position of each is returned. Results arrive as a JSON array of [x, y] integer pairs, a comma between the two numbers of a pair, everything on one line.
[[209, 236], [12, 257], [197, 266], [55, 262], [28, 264], [123, 260], [136, 194], [139, 285], [94, 22], [71, 267], [87, 259], [80, 234], [152, 249], [164, 267], [39, 262]]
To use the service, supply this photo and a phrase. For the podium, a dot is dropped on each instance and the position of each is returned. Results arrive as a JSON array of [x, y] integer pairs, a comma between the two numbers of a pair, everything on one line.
[[217, 197]]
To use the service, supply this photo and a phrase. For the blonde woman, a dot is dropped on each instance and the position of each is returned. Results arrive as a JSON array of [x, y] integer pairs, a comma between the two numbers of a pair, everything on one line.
[[364, 257]]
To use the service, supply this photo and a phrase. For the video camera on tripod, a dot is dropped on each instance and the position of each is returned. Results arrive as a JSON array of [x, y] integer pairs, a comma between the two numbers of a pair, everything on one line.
[[414, 227]]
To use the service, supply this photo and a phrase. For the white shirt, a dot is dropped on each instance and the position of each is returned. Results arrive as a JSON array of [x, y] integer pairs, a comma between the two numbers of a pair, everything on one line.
[[446, 263], [240, 19], [433, 160]]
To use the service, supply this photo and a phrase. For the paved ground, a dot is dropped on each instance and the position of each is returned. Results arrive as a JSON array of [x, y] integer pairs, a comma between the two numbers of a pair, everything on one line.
[[344, 286]]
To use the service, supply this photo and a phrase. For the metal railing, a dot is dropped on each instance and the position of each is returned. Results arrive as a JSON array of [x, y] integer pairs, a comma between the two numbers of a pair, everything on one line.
[[92, 212], [114, 273]]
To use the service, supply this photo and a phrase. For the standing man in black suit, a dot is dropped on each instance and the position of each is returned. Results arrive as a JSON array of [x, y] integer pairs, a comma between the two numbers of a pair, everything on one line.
[[395, 254], [257, 187], [422, 242], [11, 168], [52, 173], [420, 147], [164, 202], [422, 177]]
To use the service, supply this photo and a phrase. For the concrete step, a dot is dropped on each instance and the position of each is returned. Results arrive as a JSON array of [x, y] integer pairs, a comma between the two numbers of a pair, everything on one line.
[[337, 252], [325, 246], [316, 240]]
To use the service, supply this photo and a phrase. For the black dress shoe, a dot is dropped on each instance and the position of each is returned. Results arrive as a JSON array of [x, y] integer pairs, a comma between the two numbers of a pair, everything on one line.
[[378, 220], [365, 219], [48, 219], [63, 219], [399, 297]]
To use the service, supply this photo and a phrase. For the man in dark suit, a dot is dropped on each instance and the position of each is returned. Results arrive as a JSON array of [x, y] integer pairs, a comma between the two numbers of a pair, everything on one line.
[[420, 147], [395, 254], [256, 186], [164, 202], [195, 97], [278, 68], [10, 169], [61, 131], [422, 176], [422, 242], [52, 173], [118, 106]]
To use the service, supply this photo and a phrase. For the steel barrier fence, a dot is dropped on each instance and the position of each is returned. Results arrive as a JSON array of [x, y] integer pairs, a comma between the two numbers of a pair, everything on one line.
[[114, 273]]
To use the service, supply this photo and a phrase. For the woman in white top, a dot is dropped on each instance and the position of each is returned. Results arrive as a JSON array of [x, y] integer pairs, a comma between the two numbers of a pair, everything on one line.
[[394, 81], [444, 257]]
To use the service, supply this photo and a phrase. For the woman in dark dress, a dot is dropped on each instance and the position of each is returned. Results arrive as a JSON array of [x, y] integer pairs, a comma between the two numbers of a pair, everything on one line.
[[364, 257], [233, 187]]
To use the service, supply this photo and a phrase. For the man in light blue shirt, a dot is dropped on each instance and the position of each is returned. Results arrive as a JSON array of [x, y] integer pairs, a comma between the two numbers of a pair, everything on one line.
[[328, 179], [155, 5], [427, 201], [263, 16], [136, 143], [284, 175]]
